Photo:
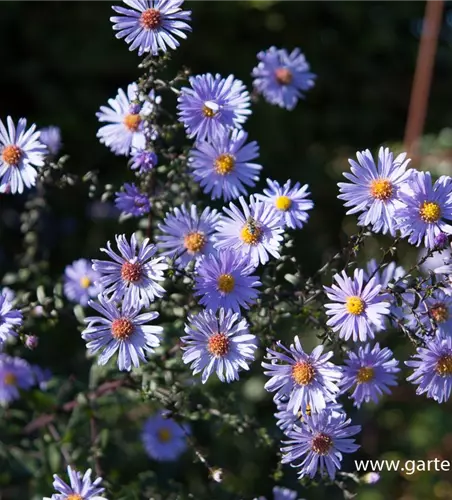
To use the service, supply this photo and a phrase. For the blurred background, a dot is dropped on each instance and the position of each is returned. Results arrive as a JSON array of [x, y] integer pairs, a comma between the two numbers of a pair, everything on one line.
[[60, 62]]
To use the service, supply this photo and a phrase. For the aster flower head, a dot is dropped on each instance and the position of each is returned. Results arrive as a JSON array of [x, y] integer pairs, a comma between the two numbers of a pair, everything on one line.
[[134, 273], [10, 319], [143, 161], [163, 438], [80, 282], [132, 201], [121, 328], [224, 280], [187, 235], [124, 130], [220, 344], [433, 368], [434, 312], [375, 189], [426, 208], [290, 202], [151, 25], [80, 488], [51, 138], [358, 309], [284, 494], [372, 370], [255, 231], [213, 105], [21, 152], [282, 77], [224, 166], [317, 445], [305, 379], [15, 374]]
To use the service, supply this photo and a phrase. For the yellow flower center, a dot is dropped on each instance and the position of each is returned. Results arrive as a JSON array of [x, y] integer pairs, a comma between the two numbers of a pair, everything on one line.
[[12, 154], [224, 164], [132, 122], [365, 374], [218, 344], [439, 312], [74, 496], [150, 19], [283, 203], [303, 372], [283, 76], [194, 242], [251, 233], [121, 328], [226, 283], [430, 212], [321, 444], [164, 435], [85, 282], [381, 189], [208, 112], [355, 305], [444, 365], [10, 379]]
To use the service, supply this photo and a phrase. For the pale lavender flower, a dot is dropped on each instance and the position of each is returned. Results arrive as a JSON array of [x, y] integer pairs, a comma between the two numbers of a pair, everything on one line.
[[143, 161], [10, 319], [51, 138], [80, 282], [80, 488], [15, 374], [132, 201]]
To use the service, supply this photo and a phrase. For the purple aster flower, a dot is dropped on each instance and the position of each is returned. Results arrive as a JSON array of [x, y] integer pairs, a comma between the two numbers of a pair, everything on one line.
[[282, 77], [222, 344], [9, 319], [306, 379], [433, 368], [256, 232], [358, 309], [124, 130], [132, 201], [372, 370], [133, 274], [385, 274], [441, 241], [121, 328], [425, 209], [143, 161], [187, 235], [224, 166], [15, 374], [318, 444], [163, 438], [31, 342], [289, 202], [434, 312], [375, 190], [51, 138], [213, 105], [80, 488], [284, 494], [21, 153], [152, 25], [8, 293], [224, 280], [80, 282]]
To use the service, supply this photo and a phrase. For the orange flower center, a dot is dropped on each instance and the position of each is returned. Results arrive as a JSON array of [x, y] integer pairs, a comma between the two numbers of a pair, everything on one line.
[[226, 283], [365, 374], [381, 189], [131, 272], [194, 242], [218, 344], [430, 212], [208, 112], [303, 372], [283, 76], [439, 312], [224, 164], [151, 19], [132, 122], [74, 496], [121, 328], [12, 154], [321, 444], [85, 282], [444, 365], [10, 379]]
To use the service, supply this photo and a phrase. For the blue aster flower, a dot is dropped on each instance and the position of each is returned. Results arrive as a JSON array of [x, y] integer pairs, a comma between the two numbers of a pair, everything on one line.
[[255, 231], [224, 166], [305, 379], [143, 161], [220, 344], [163, 438], [358, 309], [134, 274], [375, 189], [426, 208], [10, 319], [435, 312], [51, 138], [21, 153], [121, 328], [80, 488], [433, 368], [282, 77], [187, 235], [15, 374], [132, 201], [225, 280], [213, 105], [290, 202], [80, 282], [317, 445], [151, 25], [372, 370], [124, 129]]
